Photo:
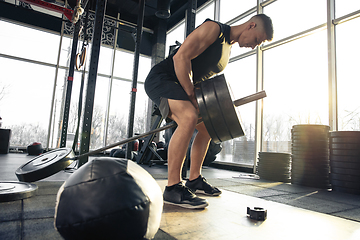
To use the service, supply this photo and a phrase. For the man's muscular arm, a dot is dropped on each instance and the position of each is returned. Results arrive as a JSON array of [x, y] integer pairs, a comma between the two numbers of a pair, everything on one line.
[[199, 40]]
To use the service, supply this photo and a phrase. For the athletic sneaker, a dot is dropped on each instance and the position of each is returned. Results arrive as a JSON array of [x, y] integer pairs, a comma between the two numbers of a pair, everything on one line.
[[182, 196], [200, 185]]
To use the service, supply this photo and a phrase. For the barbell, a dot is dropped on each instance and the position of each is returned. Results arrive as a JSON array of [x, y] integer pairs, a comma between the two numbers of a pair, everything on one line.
[[217, 111]]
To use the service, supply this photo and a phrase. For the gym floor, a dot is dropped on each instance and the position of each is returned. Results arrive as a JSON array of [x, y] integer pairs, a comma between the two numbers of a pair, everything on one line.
[[293, 211]]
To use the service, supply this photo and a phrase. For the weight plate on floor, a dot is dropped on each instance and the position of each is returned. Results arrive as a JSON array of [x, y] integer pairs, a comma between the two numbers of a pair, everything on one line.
[[348, 152], [323, 173], [310, 136], [345, 134], [45, 165], [344, 140], [311, 183], [229, 111], [344, 146], [267, 154], [310, 146], [273, 165], [310, 152], [345, 190], [310, 156], [346, 184], [344, 177], [347, 171], [11, 191], [344, 158], [349, 165], [310, 141], [311, 127], [275, 162]]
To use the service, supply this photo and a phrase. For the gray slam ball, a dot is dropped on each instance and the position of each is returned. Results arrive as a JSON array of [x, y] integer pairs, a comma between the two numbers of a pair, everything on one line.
[[109, 198]]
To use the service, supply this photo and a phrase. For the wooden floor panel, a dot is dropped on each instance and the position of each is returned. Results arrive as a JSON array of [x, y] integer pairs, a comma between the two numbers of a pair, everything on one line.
[[226, 218]]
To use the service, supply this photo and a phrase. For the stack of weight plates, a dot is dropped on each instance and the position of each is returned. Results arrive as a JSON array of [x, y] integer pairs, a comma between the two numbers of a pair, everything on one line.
[[274, 166], [310, 156], [345, 161]]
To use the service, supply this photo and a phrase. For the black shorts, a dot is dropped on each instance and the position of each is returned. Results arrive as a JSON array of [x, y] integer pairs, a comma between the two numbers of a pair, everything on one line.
[[161, 86]]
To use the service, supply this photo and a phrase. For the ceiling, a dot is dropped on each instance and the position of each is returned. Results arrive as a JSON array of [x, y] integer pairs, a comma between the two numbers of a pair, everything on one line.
[[129, 9]]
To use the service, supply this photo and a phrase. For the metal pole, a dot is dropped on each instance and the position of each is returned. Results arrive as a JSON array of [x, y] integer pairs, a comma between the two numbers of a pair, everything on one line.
[[54, 89], [189, 27], [332, 81], [69, 86], [140, 22], [110, 83], [259, 104], [91, 84]]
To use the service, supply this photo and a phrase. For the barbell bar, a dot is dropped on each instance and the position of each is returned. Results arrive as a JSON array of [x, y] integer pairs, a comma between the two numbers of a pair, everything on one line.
[[237, 103]]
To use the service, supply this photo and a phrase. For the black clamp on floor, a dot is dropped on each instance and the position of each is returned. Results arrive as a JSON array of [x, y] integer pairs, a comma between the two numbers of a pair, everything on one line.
[[257, 213]]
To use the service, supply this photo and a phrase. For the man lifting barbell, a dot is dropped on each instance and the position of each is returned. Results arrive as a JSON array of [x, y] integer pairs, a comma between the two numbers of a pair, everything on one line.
[[170, 84]]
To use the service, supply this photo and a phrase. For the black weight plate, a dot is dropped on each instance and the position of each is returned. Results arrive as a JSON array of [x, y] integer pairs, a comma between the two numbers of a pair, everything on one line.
[[348, 152], [310, 141], [310, 164], [268, 154], [345, 165], [345, 134], [346, 184], [276, 178], [274, 161], [310, 135], [273, 166], [311, 152], [345, 146], [311, 127], [344, 177], [11, 191], [204, 115], [229, 111], [346, 171], [303, 156], [345, 190], [214, 110], [274, 175], [310, 146], [311, 183], [344, 140], [310, 161], [274, 156], [310, 168], [45, 165], [274, 172], [273, 169], [344, 158], [308, 177], [311, 178]]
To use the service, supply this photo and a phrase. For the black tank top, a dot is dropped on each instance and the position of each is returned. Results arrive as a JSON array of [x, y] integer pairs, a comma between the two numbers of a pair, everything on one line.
[[210, 62]]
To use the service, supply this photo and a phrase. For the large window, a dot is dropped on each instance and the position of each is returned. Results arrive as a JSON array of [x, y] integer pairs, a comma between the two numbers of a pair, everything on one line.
[[30, 82], [348, 78], [295, 79], [343, 7], [230, 9], [288, 21], [241, 77]]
